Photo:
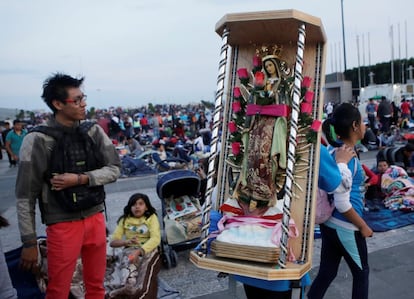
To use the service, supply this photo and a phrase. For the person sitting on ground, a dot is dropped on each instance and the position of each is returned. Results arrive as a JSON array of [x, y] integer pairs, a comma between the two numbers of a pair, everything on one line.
[[370, 140], [198, 143], [160, 157], [182, 153], [374, 194], [138, 233], [134, 147], [386, 139]]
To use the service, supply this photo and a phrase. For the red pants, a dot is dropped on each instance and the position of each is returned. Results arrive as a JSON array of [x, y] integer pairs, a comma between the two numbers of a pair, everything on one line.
[[66, 241]]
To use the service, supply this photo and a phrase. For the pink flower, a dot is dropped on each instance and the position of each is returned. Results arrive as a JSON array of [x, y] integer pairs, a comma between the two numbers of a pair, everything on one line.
[[257, 61], [236, 106], [259, 78], [235, 148], [306, 82], [232, 127], [236, 92], [306, 108], [309, 96], [242, 73], [316, 125]]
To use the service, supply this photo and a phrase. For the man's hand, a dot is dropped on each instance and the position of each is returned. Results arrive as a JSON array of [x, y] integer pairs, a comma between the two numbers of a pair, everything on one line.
[[64, 180], [28, 259]]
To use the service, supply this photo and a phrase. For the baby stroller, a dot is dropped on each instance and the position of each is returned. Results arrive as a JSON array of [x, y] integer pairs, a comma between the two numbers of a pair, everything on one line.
[[178, 191]]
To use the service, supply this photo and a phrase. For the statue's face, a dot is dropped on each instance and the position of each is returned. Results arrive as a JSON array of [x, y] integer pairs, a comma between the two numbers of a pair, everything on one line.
[[270, 68]]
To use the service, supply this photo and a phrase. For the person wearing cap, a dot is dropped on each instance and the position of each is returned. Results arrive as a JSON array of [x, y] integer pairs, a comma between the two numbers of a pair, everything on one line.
[[14, 141]]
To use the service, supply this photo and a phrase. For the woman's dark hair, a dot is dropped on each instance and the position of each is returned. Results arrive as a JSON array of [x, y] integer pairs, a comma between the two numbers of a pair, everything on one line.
[[56, 88], [342, 120], [132, 200]]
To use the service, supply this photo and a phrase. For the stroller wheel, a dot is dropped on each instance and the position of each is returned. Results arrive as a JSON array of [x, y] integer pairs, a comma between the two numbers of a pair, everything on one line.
[[174, 258], [166, 260]]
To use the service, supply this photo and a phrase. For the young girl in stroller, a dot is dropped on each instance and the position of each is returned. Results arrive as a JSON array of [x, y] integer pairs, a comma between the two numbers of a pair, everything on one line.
[[134, 273]]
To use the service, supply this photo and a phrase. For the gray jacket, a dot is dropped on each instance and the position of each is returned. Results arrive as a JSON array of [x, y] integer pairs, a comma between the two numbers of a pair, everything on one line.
[[31, 184]]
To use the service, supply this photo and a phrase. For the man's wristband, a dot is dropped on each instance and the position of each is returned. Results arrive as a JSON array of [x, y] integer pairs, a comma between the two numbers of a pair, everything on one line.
[[29, 245]]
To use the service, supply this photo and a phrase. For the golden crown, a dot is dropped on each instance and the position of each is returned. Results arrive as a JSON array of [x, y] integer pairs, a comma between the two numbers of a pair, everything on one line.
[[267, 52]]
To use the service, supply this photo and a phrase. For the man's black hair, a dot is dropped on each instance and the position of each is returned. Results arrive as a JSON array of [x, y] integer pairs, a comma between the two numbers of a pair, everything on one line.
[[56, 88]]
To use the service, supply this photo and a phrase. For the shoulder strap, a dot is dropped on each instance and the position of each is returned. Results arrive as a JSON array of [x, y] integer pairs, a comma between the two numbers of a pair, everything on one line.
[[85, 126], [50, 131], [95, 156], [355, 166]]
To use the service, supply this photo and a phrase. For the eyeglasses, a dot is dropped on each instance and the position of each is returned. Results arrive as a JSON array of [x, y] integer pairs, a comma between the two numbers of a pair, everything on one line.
[[77, 100]]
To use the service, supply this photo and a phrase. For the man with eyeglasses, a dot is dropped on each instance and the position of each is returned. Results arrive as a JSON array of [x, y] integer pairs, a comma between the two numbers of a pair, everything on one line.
[[70, 234]]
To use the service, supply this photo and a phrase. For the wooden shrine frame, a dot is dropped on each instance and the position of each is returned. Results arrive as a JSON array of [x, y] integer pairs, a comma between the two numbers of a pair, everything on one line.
[[303, 40]]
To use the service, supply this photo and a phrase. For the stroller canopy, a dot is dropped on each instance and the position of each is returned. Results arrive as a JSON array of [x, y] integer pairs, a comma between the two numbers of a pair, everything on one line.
[[177, 183]]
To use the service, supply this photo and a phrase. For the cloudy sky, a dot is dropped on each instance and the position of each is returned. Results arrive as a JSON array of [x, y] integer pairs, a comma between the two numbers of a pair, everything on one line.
[[165, 51]]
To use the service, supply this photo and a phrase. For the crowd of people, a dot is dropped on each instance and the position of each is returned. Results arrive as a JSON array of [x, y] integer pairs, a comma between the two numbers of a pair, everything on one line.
[[386, 122], [183, 130]]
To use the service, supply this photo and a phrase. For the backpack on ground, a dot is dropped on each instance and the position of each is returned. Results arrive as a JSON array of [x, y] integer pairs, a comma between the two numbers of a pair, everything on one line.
[[325, 202], [74, 152]]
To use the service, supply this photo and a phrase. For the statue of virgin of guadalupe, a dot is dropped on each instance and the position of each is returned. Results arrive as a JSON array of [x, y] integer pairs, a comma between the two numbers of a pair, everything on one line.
[[262, 175]]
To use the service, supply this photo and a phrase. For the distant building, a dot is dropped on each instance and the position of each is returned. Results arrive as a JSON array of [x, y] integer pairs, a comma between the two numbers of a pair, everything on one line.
[[337, 89]]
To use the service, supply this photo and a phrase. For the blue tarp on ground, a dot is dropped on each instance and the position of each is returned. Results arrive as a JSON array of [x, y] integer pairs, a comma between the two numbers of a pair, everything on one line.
[[385, 219]]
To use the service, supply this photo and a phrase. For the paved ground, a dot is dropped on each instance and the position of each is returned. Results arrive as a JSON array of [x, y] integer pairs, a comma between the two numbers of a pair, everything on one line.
[[390, 254]]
